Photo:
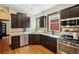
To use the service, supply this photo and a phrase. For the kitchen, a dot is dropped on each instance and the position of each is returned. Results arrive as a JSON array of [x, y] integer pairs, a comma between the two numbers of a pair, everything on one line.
[[52, 31]]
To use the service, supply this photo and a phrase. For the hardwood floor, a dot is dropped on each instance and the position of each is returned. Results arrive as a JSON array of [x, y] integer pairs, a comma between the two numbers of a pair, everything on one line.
[[33, 49], [29, 49], [4, 47]]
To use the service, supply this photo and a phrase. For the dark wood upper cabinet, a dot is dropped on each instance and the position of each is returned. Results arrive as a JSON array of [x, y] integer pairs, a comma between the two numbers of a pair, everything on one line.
[[14, 21], [42, 19], [74, 11], [28, 22], [21, 20], [70, 12], [65, 14]]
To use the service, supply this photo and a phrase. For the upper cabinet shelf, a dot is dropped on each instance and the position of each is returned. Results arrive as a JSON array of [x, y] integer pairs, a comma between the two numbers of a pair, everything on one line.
[[70, 12]]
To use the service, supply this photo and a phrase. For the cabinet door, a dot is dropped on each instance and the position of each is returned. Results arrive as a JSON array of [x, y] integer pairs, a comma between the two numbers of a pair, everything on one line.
[[52, 44], [43, 40], [74, 11], [65, 14], [49, 42], [70, 12], [34, 39], [42, 21], [15, 42], [21, 20], [31, 39], [24, 20], [28, 22], [14, 21]]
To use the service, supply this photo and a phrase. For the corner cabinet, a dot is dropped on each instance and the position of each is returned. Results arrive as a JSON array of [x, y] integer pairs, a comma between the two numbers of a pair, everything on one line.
[[49, 42], [34, 39]]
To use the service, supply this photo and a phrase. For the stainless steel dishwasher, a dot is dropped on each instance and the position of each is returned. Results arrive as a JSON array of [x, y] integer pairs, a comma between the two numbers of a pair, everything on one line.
[[24, 40]]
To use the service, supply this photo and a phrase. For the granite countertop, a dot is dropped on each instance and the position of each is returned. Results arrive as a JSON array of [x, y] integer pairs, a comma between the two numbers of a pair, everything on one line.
[[22, 33], [55, 36], [51, 35]]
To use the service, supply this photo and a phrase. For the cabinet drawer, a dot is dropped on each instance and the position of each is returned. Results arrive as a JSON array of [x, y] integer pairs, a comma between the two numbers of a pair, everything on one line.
[[77, 51], [67, 49]]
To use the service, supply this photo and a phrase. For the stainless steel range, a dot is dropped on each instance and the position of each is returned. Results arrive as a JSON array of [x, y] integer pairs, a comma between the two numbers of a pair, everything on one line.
[[68, 44], [69, 39]]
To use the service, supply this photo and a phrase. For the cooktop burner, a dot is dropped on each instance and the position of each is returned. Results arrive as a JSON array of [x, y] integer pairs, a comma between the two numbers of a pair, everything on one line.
[[69, 41]]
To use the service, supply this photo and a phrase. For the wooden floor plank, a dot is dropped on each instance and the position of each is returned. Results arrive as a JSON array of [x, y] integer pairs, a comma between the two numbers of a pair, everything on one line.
[[33, 49], [29, 49]]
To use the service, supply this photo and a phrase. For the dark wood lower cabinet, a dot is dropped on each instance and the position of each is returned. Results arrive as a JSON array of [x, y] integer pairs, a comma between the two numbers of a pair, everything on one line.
[[34, 39], [52, 44], [15, 42], [43, 40], [46, 41], [49, 42]]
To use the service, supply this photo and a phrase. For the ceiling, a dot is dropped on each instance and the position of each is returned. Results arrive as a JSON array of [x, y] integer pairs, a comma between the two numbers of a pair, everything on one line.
[[37, 8], [32, 8]]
